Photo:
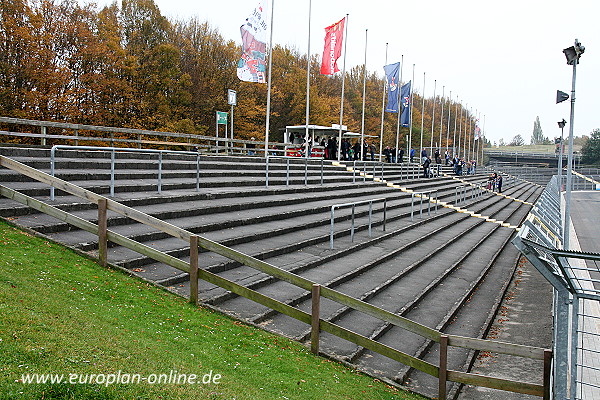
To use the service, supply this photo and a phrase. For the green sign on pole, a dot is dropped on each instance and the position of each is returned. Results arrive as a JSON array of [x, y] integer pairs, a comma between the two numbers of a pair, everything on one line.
[[221, 118]]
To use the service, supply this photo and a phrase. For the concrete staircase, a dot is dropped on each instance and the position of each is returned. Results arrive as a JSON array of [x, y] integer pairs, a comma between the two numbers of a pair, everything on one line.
[[447, 270]]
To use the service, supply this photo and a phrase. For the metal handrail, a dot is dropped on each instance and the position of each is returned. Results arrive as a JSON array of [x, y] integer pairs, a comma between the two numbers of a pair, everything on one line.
[[422, 195], [287, 170], [113, 150], [353, 205]]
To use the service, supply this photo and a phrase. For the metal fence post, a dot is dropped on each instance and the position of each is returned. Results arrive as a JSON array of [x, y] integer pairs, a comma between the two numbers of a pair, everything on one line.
[[112, 173], [159, 171], [194, 269], [267, 171], [331, 227], [373, 171], [412, 206], [287, 173], [354, 172], [384, 213], [102, 233], [352, 228], [364, 171], [52, 161], [306, 171], [315, 318], [197, 172], [321, 172], [370, 214], [43, 135]]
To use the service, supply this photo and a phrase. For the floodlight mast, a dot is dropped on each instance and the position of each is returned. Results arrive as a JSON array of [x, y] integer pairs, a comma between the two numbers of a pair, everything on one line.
[[573, 54]]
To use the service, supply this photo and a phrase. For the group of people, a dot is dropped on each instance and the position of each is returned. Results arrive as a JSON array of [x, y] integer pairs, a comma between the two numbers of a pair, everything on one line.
[[392, 156], [462, 167], [495, 182]]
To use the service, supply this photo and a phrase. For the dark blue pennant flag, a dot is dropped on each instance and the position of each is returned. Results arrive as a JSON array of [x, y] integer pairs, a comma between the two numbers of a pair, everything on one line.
[[405, 98], [391, 75]]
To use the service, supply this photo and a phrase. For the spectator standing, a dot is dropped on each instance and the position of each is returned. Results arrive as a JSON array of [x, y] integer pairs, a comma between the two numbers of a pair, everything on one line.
[[499, 183], [401, 155], [426, 163], [412, 155]]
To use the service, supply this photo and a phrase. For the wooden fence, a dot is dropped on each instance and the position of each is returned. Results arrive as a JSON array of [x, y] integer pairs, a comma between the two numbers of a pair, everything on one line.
[[439, 371]]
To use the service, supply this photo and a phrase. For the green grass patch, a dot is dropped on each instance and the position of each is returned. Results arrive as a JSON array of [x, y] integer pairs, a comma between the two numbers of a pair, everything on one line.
[[63, 314]]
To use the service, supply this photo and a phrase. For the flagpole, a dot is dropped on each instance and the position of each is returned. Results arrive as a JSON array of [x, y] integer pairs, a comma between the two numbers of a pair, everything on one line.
[[475, 142], [469, 139], [343, 81], [306, 135], [475, 133], [448, 128], [399, 110], [422, 111], [466, 129], [460, 130], [483, 136], [383, 106], [442, 114], [364, 94], [433, 113], [410, 117], [454, 135], [268, 118]]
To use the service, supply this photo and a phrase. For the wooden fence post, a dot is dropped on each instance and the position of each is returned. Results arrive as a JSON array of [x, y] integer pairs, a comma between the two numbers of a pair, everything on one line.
[[102, 233], [443, 367], [547, 373], [315, 318], [194, 269]]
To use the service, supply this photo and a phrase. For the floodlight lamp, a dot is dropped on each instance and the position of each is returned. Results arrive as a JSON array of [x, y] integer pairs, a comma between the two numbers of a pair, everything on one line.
[[574, 52], [561, 124]]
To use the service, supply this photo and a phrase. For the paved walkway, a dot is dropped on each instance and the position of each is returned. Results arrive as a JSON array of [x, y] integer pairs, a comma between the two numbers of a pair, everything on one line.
[[585, 236]]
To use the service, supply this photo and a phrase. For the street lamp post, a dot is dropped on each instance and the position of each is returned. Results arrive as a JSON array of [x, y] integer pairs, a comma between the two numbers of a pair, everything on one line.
[[573, 54]]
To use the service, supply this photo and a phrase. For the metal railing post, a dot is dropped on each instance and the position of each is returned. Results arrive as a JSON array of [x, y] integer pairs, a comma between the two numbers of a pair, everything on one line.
[[384, 213], [112, 173], [364, 171], [287, 173], [354, 172], [370, 214], [412, 206], [43, 128], [331, 227], [267, 171], [197, 172], [306, 171], [373, 171], [352, 228], [321, 172], [52, 160], [159, 172]]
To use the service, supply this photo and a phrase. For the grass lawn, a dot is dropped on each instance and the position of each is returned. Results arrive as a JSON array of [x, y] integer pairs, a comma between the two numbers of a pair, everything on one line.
[[63, 314]]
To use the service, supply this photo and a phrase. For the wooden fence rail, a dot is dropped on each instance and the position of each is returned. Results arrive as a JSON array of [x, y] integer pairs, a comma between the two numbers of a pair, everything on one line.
[[195, 242]]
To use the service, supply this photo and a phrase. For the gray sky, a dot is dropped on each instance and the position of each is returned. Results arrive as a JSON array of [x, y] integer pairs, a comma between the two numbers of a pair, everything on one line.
[[503, 59]]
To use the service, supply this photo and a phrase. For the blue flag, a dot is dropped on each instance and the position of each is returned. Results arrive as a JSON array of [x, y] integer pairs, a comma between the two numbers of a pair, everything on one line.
[[405, 99], [391, 75]]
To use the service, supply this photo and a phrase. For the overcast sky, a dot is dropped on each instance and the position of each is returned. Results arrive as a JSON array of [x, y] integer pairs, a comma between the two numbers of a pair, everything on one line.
[[503, 59]]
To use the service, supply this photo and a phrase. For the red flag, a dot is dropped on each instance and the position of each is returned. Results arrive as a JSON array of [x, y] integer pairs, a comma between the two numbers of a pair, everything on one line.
[[334, 37]]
